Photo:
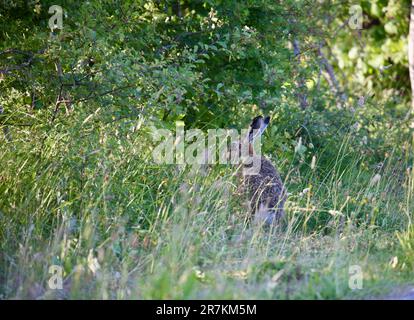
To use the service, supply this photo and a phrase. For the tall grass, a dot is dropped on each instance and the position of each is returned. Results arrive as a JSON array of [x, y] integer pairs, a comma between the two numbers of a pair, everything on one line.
[[88, 198]]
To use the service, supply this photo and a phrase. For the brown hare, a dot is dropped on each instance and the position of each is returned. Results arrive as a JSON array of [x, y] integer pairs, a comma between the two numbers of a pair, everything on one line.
[[263, 187]]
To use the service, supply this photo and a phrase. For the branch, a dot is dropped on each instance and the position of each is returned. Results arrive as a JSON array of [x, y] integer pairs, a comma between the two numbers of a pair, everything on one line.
[[104, 93], [301, 82], [29, 58], [332, 80]]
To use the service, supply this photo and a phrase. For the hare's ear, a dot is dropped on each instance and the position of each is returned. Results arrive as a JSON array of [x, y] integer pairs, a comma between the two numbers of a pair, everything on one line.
[[266, 122], [257, 127]]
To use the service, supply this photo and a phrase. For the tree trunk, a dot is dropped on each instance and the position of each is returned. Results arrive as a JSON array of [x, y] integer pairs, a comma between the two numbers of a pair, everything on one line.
[[411, 53]]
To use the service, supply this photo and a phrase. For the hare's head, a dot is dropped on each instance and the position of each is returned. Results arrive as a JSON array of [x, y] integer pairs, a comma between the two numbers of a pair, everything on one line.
[[257, 127], [244, 147]]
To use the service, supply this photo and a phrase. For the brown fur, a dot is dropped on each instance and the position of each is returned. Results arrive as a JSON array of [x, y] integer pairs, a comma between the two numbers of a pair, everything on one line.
[[265, 190]]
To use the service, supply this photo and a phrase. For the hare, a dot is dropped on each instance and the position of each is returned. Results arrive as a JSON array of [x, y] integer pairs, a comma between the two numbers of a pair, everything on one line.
[[264, 188]]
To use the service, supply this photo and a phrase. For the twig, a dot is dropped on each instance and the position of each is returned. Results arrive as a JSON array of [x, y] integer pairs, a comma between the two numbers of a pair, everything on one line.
[[6, 129]]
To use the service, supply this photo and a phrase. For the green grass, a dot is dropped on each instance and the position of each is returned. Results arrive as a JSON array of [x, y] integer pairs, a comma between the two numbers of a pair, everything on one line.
[[87, 197]]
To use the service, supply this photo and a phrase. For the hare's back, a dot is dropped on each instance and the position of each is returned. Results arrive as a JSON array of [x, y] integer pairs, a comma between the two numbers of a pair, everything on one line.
[[266, 188]]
